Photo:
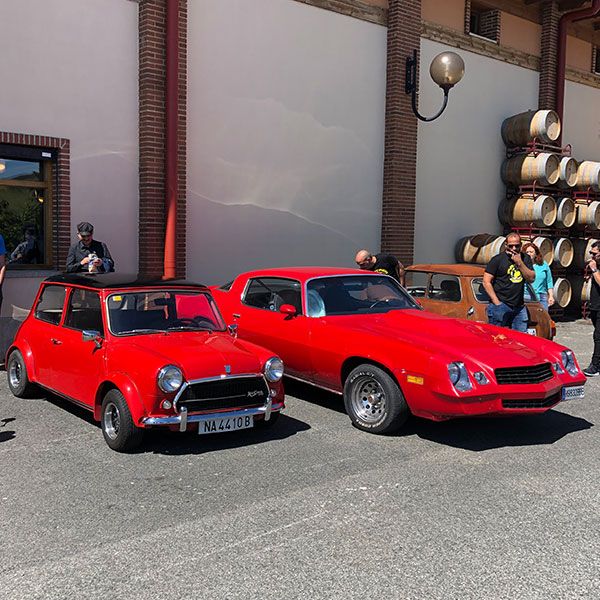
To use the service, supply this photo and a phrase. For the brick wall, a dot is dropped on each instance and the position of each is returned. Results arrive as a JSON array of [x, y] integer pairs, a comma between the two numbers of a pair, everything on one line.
[[400, 153], [549, 57], [152, 123], [61, 217]]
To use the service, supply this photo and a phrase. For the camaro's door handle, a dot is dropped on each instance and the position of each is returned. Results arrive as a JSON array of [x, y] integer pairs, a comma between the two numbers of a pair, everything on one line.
[[471, 311], [55, 341]]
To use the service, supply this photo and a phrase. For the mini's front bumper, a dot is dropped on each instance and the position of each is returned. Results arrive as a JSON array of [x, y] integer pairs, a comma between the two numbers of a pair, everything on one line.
[[183, 418]]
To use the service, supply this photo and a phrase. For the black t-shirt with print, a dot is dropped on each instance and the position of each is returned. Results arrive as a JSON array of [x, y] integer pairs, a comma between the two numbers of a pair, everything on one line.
[[386, 264], [508, 283]]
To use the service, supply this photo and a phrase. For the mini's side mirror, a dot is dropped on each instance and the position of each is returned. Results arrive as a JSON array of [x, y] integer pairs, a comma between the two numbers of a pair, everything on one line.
[[288, 309], [233, 330], [90, 335]]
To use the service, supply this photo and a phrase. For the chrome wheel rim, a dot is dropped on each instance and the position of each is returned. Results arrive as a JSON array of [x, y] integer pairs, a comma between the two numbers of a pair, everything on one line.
[[15, 373], [368, 400], [112, 420]]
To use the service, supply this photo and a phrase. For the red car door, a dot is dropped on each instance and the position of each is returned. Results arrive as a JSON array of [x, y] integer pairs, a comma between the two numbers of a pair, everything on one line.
[[260, 321], [80, 365]]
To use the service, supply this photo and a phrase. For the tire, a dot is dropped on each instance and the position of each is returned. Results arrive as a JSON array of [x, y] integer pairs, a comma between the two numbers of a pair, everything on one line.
[[365, 384], [18, 381], [118, 428], [262, 424]]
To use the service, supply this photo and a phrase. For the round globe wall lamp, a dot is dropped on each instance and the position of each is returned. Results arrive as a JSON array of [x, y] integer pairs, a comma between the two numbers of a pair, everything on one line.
[[446, 69]]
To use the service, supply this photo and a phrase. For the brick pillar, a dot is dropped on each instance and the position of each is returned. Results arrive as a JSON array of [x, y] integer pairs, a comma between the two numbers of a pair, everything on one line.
[[548, 62], [400, 151], [152, 123]]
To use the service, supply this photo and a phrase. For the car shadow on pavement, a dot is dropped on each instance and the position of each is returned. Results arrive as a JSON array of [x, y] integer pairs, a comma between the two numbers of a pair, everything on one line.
[[314, 395], [478, 433]]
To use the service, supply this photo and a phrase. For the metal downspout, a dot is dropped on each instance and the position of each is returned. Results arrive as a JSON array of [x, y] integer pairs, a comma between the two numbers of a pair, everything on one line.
[[172, 106], [563, 24]]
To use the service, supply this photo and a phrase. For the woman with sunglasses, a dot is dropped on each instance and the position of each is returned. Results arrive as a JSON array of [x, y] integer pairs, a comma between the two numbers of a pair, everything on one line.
[[543, 284]]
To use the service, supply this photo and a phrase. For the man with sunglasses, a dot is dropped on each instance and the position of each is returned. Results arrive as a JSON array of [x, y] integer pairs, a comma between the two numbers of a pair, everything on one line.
[[88, 254], [504, 281], [594, 305], [380, 263]]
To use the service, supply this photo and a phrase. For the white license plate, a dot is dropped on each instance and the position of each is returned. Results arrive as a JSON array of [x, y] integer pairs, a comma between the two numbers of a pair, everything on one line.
[[570, 393], [531, 331], [225, 424]]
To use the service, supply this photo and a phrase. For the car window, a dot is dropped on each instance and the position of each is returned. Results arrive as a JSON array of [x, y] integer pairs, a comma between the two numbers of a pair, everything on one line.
[[416, 283], [84, 311], [479, 291], [226, 286], [271, 293], [355, 294], [164, 310], [50, 305], [445, 288]]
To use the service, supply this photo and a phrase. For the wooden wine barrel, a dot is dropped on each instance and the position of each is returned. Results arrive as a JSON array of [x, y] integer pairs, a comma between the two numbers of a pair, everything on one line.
[[528, 209], [522, 128], [588, 175], [568, 172], [546, 248], [479, 248], [563, 251], [565, 212], [581, 288], [589, 214], [581, 251], [562, 292], [523, 170]]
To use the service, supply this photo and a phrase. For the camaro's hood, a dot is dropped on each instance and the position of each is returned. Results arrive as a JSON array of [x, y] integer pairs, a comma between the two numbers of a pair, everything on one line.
[[456, 339], [198, 354]]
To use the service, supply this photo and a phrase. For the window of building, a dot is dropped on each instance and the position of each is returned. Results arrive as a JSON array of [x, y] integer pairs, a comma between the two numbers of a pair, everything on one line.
[[26, 194], [483, 21]]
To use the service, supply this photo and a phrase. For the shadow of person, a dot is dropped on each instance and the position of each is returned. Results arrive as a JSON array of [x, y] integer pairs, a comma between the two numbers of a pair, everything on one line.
[[176, 443], [6, 436], [479, 434]]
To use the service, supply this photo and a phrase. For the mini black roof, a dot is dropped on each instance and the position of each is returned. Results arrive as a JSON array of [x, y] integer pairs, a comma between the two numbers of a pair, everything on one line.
[[102, 281]]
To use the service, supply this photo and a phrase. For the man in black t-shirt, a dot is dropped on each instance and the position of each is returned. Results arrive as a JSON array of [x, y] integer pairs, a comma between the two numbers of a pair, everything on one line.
[[504, 281], [594, 305], [381, 263]]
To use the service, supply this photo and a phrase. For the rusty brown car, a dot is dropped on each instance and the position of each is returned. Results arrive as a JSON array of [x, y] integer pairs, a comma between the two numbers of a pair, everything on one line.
[[457, 291]]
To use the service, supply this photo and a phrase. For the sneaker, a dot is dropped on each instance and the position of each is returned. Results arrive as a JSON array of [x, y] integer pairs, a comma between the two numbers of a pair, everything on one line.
[[591, 371]]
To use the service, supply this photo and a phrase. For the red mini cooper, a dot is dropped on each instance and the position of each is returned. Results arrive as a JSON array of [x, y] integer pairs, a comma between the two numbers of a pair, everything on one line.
[[142, 354]]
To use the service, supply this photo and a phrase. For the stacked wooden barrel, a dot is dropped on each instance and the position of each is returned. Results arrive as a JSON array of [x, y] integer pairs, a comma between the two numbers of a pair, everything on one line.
[[552, 200]]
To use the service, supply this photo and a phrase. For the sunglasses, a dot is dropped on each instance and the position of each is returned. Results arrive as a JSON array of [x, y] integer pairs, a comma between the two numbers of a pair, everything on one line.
[[85, 236], [594, 253], [364, 263], [513, 245]]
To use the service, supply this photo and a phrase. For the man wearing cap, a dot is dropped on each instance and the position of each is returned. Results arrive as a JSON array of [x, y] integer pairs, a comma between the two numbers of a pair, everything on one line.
[[89, 255]]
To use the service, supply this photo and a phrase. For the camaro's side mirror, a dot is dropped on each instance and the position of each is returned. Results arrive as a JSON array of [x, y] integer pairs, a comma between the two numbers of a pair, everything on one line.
[[91, 335], [233, 330], [288, 309]]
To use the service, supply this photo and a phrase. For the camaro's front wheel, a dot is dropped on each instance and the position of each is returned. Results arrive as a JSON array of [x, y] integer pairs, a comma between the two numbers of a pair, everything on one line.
[[18, 381], [120, 432], [374, 401]]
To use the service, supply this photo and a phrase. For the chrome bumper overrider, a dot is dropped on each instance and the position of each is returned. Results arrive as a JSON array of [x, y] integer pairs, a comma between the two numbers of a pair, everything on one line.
[[182, 419]]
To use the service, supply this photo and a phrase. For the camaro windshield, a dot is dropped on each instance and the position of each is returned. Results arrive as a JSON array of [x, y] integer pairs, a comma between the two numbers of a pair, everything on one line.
[[355, 294], [162, 310]]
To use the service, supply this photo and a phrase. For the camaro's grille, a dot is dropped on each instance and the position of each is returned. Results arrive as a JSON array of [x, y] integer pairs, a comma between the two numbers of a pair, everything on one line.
[[535, 403], [224, 393], [513, 375]]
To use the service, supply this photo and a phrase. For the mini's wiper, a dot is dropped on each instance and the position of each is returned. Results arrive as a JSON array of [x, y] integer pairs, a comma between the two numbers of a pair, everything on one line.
[[188, 328], [128, 331]]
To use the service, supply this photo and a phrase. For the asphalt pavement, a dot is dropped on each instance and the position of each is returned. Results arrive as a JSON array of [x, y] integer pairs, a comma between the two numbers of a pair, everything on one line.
[[312, 508]]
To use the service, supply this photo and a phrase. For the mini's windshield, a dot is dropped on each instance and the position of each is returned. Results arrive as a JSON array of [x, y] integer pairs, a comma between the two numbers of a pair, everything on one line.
[[155, 311], [355, 294]]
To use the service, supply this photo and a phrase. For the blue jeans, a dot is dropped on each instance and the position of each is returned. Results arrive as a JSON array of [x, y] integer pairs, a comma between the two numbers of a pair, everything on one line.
[[505, 316], [543, 300]]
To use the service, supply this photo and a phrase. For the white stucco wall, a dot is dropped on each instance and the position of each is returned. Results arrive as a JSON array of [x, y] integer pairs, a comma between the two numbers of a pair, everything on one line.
[[581, 123], [69, 69], [285, 136], [460, 154]]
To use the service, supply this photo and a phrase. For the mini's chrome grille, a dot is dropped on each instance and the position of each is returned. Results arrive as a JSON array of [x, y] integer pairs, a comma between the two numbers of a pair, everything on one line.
[[223, 394], [524, 375]]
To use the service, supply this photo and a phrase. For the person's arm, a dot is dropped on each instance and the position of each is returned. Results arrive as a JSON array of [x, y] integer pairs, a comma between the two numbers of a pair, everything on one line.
[[2, 268], [73, 265], [108, 257], [593, 267], [550, 283], [488, 280], [401, 272], [527, 272]]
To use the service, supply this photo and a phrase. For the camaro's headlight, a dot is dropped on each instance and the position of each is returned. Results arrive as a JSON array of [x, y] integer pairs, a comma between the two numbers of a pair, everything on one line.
[[274, 369], [170, 379], [568, 362], [459, 376]]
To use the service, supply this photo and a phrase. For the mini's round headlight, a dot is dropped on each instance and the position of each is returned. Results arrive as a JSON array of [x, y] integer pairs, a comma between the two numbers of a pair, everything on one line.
[[170, 379], [274, 369]]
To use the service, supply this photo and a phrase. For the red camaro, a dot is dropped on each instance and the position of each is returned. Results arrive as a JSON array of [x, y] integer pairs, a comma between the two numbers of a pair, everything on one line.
[[142, 354], [360, 334]]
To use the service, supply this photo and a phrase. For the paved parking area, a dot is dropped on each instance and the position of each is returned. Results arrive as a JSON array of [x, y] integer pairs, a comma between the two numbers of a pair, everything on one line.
[[495, 508]]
